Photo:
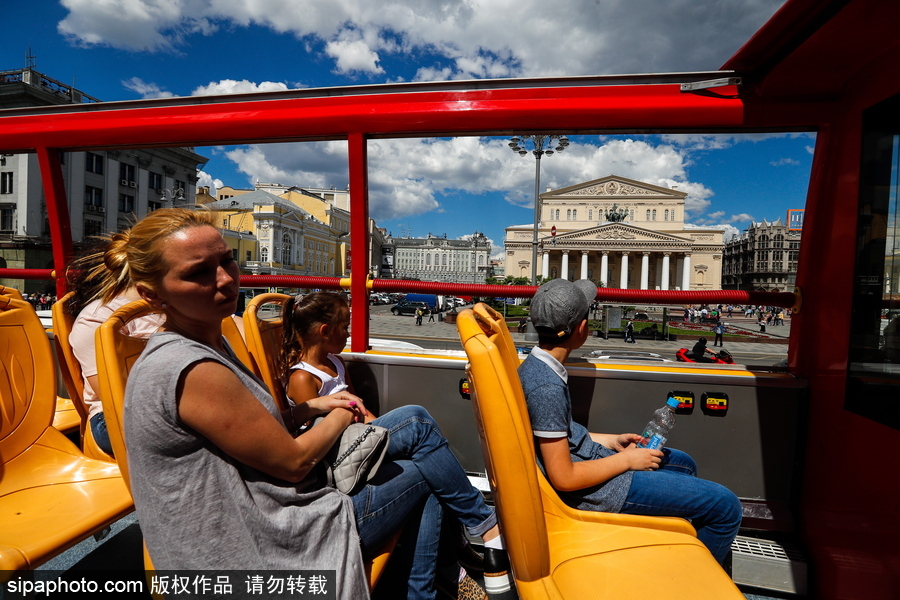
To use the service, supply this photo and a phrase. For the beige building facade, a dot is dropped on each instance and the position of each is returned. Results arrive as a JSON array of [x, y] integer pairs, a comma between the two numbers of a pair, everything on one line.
[[619, 233]]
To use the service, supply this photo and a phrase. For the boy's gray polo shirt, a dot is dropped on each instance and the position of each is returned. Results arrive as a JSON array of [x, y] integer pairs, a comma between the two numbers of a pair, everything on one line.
[[545, 383]]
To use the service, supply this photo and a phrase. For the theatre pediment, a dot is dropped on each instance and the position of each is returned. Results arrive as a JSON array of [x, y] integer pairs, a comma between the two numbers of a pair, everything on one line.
[[618, 231], [614, 187]]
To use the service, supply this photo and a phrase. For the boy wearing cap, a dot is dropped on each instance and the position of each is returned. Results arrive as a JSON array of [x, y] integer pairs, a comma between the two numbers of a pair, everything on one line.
[[608, 472]]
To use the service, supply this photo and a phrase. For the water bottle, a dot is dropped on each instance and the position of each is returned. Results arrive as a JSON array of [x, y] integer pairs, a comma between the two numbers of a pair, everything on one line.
[[656, 432]]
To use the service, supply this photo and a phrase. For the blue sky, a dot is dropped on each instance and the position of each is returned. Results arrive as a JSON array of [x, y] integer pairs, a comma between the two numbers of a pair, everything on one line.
[[131, 49]]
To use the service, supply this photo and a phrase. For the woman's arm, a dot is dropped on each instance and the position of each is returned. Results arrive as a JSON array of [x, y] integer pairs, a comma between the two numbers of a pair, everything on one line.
[[213, 401], [568, 476]]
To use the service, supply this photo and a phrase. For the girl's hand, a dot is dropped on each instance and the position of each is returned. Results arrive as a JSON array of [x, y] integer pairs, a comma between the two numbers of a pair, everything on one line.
[[642, 459]]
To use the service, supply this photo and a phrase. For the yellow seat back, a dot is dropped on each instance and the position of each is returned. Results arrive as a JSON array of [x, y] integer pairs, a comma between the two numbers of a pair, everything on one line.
[[51, 495], [116, 354], [264, 340], [27, 379], [505, 432], [11, 292], [232, 330], [69, 366]]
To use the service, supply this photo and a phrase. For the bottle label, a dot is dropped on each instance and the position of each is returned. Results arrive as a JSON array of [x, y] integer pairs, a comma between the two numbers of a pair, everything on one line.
[[655, 442]]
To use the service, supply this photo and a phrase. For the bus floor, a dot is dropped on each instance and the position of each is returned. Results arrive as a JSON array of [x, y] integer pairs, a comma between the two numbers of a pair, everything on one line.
[[119, 556]]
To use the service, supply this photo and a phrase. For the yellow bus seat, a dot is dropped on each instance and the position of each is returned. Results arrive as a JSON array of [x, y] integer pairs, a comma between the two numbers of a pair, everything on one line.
[[11, 292], [556, 551], [72, 378], [263, 342], [51, 495], [232, 329], [116, 354]]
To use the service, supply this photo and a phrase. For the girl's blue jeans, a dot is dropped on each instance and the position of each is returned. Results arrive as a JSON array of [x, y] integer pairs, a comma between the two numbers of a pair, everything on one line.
[[675, 491], [423, 478]]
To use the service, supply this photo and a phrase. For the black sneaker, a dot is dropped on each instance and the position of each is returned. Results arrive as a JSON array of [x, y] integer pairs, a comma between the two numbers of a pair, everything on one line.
[[497, 576]]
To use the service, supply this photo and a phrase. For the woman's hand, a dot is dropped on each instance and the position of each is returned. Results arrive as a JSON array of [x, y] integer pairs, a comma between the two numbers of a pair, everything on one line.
[[344, 399]]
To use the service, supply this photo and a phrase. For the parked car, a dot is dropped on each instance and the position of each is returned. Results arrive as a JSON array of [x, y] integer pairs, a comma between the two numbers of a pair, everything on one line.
[[406, 307]]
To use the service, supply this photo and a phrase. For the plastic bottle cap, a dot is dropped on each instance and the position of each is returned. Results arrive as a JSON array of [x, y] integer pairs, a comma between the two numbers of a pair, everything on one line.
[[673, 402]]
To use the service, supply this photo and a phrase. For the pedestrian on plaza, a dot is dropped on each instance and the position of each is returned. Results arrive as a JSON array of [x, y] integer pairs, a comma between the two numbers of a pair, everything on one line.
[[430, 314], [419, 314], [730, 309], [523, 324], [629, 333], [719, 330]]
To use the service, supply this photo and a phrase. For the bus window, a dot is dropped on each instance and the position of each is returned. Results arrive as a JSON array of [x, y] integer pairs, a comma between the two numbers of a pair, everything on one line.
[[874, 369]]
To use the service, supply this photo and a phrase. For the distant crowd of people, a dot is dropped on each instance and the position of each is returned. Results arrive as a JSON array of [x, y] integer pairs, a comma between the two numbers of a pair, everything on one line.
[[40, 301]]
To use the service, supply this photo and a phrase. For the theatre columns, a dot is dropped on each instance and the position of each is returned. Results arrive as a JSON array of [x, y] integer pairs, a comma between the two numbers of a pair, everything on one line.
[[604, 268], [584, 264], [686, 272], [545, 268], [645, 270], [664, 282], [564, 272], [623, 277]]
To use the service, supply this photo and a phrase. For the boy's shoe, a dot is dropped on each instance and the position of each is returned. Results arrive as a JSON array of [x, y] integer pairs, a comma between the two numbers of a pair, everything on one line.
[[497, 576]]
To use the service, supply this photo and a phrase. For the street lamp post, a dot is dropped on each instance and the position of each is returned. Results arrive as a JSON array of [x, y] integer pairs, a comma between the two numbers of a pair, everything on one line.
[[518, 145]]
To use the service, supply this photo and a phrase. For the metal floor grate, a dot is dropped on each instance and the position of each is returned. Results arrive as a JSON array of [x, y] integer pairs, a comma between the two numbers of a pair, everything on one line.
[[766, 549], [768, 564]]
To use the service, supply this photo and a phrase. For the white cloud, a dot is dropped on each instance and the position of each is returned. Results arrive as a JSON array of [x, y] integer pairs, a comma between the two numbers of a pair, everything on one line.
[[488, 38], [353, 55], [230, 86], [411, 176], [784, 161], [146, 90], [204, 179]]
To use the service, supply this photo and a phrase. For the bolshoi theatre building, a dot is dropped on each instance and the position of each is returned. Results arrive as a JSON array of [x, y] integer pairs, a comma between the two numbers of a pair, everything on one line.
[[620, 233]]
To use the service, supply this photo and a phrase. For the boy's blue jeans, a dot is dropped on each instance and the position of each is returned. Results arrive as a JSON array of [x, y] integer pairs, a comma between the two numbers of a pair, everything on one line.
[[424, 477], [675, 491]]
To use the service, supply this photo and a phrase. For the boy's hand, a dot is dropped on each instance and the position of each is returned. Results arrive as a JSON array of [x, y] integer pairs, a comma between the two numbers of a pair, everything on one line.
[[642, 459], [624, 440]]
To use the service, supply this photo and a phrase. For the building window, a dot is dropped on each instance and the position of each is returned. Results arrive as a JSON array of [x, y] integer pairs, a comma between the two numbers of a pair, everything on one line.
[[93, 197], [93, 163], [557, 214], [264, 254], [249, 256], [287, 249], [654, 214], [666, 215], [6, 183], [153, 205], [126, 203], [93, 227], [569, 215], [648, 214], [574, 214], [154, 181], [180, 185], [126, 173], [632, 214], [7, 218], [590, 214]]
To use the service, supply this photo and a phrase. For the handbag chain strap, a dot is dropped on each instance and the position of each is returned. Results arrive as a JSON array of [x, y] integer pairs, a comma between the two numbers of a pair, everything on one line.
[[353, 446]]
